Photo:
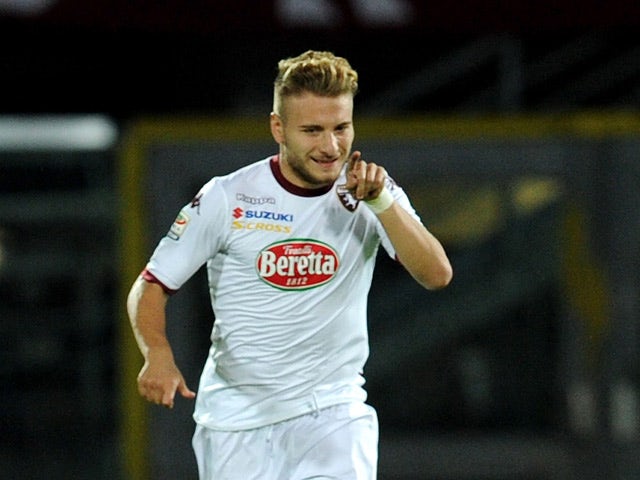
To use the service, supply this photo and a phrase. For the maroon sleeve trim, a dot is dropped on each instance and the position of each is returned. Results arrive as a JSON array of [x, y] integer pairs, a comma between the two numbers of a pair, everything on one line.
[[151, 278]]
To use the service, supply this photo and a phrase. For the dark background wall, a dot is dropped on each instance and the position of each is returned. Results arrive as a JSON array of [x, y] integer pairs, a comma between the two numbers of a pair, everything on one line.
[[128, 58]]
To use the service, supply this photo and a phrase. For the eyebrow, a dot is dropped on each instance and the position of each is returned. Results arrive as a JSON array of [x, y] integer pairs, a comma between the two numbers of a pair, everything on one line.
[[317, 125]]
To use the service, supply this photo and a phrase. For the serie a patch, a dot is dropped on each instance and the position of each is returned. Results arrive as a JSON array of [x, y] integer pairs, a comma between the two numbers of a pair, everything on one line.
[[179, 226]]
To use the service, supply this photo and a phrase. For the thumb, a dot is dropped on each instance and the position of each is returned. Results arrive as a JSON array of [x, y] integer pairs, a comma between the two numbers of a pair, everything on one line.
[[185, 391]]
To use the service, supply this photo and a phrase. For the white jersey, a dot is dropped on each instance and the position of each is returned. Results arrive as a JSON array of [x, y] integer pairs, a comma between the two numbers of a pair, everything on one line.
[[289, 272]]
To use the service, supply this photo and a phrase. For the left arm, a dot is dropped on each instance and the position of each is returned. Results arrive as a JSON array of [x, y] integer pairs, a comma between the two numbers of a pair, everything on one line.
[[417, 249]]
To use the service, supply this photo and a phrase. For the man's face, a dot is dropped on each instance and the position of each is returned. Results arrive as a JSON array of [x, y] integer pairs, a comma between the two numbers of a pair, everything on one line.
[[315, 135]]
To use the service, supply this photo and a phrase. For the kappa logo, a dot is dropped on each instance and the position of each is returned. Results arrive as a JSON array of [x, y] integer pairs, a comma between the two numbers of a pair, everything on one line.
[[195, 203], [297, 264], [255, 200]]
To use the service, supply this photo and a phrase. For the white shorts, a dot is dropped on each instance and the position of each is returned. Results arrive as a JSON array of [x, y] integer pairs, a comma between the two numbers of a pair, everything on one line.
[[339, 442]]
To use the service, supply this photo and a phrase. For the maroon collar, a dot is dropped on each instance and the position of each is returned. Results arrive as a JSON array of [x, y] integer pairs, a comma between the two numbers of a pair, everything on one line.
[[290, 187]]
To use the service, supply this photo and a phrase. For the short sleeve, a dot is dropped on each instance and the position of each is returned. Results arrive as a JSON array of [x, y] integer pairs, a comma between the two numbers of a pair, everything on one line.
[[196, 235]]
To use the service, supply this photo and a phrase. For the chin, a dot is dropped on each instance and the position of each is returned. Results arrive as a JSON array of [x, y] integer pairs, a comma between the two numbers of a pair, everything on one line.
[[327, 179]]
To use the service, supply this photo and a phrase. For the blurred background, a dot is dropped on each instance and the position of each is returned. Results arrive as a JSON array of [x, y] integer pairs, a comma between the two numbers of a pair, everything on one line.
[[515, 128]]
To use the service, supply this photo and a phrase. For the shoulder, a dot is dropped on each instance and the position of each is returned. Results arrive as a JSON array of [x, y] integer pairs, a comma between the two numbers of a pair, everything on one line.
[[248, 171], [222, 184]]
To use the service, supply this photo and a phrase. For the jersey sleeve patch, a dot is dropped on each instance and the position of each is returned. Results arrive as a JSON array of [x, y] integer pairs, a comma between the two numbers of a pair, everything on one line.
[[179, 226]]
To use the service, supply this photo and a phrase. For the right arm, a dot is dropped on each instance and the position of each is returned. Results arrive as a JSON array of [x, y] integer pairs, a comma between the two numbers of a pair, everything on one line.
[[159, 379]]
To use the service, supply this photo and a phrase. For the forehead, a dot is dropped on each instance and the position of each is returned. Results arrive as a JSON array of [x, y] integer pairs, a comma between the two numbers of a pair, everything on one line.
[[311, 109]]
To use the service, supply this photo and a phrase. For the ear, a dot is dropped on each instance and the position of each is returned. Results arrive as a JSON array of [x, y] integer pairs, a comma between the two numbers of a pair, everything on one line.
[[277, 128]]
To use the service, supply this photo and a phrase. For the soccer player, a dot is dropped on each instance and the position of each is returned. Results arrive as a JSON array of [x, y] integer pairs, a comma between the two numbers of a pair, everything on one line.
[[290, 244]]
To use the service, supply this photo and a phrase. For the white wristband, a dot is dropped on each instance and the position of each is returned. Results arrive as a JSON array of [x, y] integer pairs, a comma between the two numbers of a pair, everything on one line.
[[381, 202]]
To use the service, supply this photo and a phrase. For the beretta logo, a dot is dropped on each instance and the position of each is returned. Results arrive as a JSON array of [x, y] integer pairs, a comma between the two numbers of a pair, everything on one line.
[[297, 264]]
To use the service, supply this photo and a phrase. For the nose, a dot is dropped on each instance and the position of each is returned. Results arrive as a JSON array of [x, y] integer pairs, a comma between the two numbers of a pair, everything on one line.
[[329, 145]]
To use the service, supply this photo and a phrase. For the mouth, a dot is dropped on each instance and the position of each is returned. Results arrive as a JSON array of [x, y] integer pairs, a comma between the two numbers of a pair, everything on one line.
[[325, 162]]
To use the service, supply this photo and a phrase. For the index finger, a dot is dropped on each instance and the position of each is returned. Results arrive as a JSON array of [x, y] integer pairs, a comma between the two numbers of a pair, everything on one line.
[[353, 160]]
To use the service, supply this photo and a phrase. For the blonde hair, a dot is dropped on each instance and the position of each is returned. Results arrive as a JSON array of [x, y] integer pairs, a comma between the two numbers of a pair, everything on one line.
[[321, 73]]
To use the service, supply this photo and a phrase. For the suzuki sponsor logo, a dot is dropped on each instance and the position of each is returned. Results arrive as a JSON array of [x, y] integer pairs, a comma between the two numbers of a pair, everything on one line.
[[297, 264], [263, 220], [262, 215]]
